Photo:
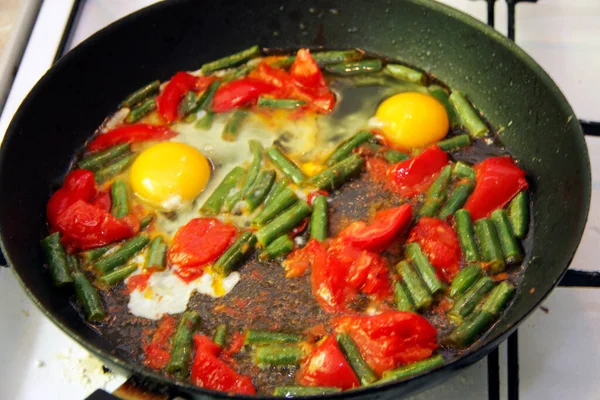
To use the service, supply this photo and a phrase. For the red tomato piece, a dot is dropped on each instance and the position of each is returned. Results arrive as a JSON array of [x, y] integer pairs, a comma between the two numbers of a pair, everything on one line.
[[300, 260], [167, 102], [158, 351], [78, 185], [239, 93], [236, 344], [305, 70], [311, 196], [327, 366], [131, 134], [328, 282], [203, 82], [390, 339], [102, 200], [498, 180], [200, 241], [188, 274], [440, 244], [413, 176], [138, 282], [210, 372]]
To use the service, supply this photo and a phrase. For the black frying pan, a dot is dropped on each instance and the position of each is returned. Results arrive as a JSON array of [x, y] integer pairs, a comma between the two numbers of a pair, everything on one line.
[[72, 99]]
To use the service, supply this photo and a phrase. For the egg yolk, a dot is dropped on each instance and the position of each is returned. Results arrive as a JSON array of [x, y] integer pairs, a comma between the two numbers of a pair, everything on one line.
[[412, 119], [169, 174]]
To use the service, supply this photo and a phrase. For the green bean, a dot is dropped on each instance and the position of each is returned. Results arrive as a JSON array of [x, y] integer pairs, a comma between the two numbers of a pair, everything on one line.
[[466, 303], [261, 188], [141, 94], [145, 108], [220, 335], [469, 117], [92, 255], [335, 57], [120, 199], [147, 220], [466, 332], [57, 260], [508, 241], [402, 298], [283, 223], [114, 169], [413, 369], [442, 96], [251, 175], [406, 74], [436, 195], [187, 104], [418, 291], [394, 156], [108, 263], [285, 165], [301, 391], [205, 100], [355, 67], [118, 275], [278, 188], [466, 235], [463, 170], [336, 175], [426, 270], [345, 148], [97, 160], [457, 199], [287, 104], [284, 200], [519, 214], [498, 299], [231, 130], [362, 370], [88, 297], [455, 142], [205, 122], [72, 263], [260, 336], [231, 60], [491, 250], [182, 344], [318, 219], [235, 254], [279, 247], [465, 279], [156, 253], [278, 355], [214, 203]]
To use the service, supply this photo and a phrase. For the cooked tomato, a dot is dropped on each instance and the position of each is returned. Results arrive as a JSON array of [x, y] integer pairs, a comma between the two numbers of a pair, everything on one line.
[[138, 282], [239, 93], [413, 176], [328, 282], [131, 134], [78, 185], [158, 352], [102, 200], [167, 101]]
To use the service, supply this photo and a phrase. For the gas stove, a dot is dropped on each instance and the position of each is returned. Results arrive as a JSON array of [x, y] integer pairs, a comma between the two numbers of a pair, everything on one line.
[[551, 355]]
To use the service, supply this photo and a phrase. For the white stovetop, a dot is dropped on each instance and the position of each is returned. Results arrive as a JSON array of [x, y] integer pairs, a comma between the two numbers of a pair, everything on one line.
[[558, 349]]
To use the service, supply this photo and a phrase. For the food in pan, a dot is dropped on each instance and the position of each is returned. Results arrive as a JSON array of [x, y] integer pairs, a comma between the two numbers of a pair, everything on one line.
[[291, 224]]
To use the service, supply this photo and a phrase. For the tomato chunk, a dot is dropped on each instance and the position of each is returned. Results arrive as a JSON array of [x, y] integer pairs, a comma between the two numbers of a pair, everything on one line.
[[328, 282], [498, 180], [413, 176], [440, 244], [167, 102], [300, 260], [390, 339], [327, 366], [78, 185], [131, 134], [158, 351], [239, 93]]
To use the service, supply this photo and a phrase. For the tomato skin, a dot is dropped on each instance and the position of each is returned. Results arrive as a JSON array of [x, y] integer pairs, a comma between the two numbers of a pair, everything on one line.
[[236, 344], [311, 196], [78, 185], [239, 93], [167, 102], [131, 134], [498, 180], [328, 282], [413, 176], [158, 351], [200, 241], [327, 366], [138, 282], [210, 372], [203, 82], [390, 339], [440, 244], [300, 260], [102, 200]]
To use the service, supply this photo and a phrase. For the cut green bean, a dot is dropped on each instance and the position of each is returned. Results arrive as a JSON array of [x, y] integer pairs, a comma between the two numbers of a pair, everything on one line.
[[354, 67], [466, 303], [231, 60], [205, 122], [402, 298], [114, 169], [465, 279], [97, 160], [118, 275], [362, 370], [214, 203], [406, 74], [414, 369], [284, 200], [519, 214], [336, 57], [336, 175], [286, 104], [235, 254], [345, 148], [469, 117], [147, 220], [89, 256], [455, 142], [285, 165], [231, 131], [498, 299], [394, 156], [278, 188], [301, 391], [491, 249], [145, 108], [57, 260], [205, 100], [436, 195], [72, 263], [426, 270], [442, 96], [283, 224], [156, 253], [120, 199], [508, 241], [108, 263], [417, 289], [88, 297], [468, 331], [457, 199], [463, 170], [466, 235], [260, 190], [237, 195], [220, 335], [182, 344], [278, 355], [187, 104], [318, 219], [260, 336], [141, 94], [279, 247]]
